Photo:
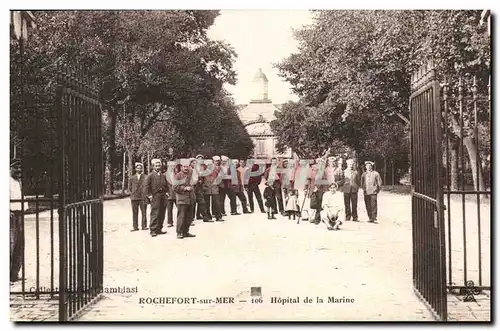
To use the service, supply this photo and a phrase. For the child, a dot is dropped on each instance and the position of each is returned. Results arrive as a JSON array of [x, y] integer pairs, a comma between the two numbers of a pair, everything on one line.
[[330, 212], [292, 207], [270, 197], [315, 205]]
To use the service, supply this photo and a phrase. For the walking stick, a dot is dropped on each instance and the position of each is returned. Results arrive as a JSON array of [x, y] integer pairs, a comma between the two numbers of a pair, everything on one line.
[[302, 207]]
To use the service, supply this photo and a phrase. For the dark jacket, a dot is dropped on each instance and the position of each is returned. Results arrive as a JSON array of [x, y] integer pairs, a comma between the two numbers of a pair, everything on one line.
[[210, 185], [254, 179], [136, 187], [156, 184], [270, 196], [182, 182], [349, 185], [316, 199]]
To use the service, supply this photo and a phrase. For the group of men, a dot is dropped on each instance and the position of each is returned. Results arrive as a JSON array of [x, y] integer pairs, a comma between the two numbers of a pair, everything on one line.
[[199, 188]]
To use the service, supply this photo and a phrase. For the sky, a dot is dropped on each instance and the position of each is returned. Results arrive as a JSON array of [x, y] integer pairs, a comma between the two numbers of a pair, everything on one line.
[[260, 38]]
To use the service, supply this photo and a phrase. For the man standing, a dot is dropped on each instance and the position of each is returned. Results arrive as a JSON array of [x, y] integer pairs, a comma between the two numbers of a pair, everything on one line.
[[371, 182], [156, 190], [251, 184], [349, 185], [272, 176], [16, 221], [136, 185], [238, 187], [225, 188], [185, 198], [211, 192]]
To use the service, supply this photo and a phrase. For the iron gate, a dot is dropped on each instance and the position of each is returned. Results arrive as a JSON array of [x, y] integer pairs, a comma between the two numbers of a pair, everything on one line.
[[429, 259], [81, 192]]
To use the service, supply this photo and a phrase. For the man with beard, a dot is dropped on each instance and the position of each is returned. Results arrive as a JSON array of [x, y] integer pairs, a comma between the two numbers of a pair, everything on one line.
[[251, 183], [138, 199], [156, 190], [185, 198], [16, 221], [211, 191]]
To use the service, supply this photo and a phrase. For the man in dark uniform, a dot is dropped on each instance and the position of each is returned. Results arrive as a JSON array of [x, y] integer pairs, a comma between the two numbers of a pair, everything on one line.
[[156, 190], [138, 198], [185, 198]]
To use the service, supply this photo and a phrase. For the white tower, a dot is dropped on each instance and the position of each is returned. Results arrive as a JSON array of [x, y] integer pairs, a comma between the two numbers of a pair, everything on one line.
[[259, 87]]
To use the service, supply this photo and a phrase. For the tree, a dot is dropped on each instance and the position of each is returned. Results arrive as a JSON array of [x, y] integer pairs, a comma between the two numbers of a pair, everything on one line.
[[356, 66]]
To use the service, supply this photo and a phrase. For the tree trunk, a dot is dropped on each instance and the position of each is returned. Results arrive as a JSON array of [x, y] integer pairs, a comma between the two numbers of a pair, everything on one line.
[[110, 152], [475, 164], [392, 173], [385, 171], [149, 162], [130, 163], [453, 166], [123, 171], [472, 151]]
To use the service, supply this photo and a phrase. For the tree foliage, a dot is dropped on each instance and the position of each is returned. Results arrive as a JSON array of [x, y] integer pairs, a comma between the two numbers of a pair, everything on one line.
[[353, 71]]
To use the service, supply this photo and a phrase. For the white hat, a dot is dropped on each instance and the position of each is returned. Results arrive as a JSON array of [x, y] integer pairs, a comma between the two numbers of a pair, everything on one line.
[[350, 161], [369, 162], [153, 161], [199, 156], [215, 158], [224, 158], [139, 164]]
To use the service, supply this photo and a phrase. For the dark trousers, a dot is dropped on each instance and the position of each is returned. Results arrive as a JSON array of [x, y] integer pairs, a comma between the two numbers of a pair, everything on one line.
[[279, 197], [223, 192], [170, 211], [136, 204], [199, 209], [216, 211], [371, 206], [271, 206], [351, 205], [184, 218], [16, 244], [253, 189], [158, 209], [243, 200]]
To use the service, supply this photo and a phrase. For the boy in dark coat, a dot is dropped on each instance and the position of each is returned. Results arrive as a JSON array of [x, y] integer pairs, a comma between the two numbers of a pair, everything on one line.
[[270, 198]]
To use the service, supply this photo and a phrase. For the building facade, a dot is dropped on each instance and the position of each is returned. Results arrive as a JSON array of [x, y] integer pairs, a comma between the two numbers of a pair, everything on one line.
[[257, 116]]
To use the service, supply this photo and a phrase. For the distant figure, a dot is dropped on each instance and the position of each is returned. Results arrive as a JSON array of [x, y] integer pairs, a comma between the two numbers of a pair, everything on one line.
[[16, 221], [138, 197], [292, 204], [371, 182], [270, 197]]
